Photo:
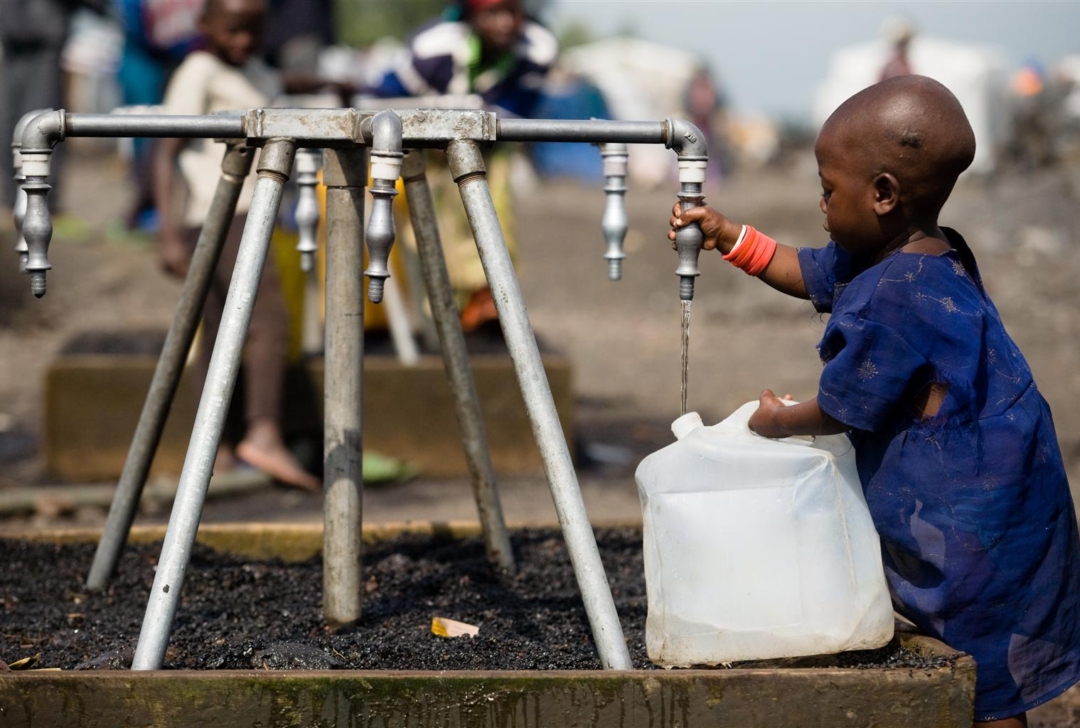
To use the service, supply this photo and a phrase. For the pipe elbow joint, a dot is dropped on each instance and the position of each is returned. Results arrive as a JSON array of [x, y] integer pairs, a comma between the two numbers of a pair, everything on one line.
[[43, 132], [386, 146], [689, 143], [686, 139], [386, 133]]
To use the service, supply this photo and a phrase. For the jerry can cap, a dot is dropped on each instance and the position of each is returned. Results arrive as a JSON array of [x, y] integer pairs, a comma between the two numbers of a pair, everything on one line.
[[686, 424]]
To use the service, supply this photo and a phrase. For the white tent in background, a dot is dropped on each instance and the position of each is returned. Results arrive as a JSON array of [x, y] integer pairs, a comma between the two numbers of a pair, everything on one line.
[[976, 75], [640, 81]]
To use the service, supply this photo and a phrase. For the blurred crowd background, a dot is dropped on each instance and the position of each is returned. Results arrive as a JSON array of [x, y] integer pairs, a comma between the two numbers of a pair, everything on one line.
[[721, 65], [118, 53]]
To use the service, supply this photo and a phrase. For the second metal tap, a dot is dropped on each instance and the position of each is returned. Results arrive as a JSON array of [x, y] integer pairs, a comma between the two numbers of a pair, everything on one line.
[[386, 156], [615, 222], [688, 141]]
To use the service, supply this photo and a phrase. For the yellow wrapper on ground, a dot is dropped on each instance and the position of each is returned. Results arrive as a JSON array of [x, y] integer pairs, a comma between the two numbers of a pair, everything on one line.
[[444, 627]]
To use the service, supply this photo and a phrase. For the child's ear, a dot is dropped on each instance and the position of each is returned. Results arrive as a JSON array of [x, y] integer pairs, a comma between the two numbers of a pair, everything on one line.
[[886, 193]]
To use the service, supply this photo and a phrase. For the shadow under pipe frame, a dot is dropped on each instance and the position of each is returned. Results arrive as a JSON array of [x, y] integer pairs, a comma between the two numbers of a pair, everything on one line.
[[235, 167], [467, 167], [275, 164], [456, 360]]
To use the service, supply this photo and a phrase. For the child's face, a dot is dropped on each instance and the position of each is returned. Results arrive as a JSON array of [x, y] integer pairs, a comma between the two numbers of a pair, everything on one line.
[[234, 29], [847, 197], [499, 25]]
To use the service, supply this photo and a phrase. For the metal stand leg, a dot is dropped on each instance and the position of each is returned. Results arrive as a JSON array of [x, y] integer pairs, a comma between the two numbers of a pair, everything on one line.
[[345, 174], [456, 360], [234, 168], [467, 166], [275, 163]]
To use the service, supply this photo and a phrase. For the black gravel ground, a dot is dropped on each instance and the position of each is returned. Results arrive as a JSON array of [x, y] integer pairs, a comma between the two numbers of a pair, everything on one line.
[[239, 614]]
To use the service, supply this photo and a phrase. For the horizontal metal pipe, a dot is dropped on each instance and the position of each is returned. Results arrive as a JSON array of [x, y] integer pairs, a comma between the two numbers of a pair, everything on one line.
[[154, 125], [595, 131]]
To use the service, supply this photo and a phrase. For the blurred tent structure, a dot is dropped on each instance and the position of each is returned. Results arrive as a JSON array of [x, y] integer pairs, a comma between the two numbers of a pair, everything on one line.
[[639, 80], [975, 74], [1067, 70]]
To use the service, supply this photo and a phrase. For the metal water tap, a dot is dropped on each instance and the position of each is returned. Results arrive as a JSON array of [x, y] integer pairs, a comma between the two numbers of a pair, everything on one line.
[[308, 162], [40, 136], [615, 222], [19, 210], [688, 141], [386, 156]]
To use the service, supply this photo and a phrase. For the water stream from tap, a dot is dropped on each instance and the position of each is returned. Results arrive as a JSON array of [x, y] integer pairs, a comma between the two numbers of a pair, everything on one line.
[[685, 351]]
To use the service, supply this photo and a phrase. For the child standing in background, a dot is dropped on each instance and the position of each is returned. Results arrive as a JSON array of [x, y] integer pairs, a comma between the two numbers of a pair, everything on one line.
[[955, 445], [228, 76]]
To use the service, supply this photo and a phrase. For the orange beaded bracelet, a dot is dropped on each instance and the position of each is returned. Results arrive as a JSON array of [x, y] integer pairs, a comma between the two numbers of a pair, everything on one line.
[[753, 251]]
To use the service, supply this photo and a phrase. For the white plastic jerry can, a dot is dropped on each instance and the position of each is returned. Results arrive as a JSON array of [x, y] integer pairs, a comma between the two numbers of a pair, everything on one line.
[[757, 548]]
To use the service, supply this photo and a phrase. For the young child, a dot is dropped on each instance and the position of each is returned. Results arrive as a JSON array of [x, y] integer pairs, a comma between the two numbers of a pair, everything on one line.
[[955, 445], [227, 76], [490, 48]]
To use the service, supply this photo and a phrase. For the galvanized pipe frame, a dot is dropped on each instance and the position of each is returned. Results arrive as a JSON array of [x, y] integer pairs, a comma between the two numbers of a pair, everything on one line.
[[461, 133], [346, 128], [336, 128], [345, 174]]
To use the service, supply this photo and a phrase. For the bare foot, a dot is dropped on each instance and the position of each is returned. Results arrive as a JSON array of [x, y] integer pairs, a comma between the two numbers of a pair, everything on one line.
[[263, 449]]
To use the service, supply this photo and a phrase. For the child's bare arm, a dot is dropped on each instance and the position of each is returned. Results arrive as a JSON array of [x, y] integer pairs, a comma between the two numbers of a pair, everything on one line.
[[174, 256], [783, 272], [775, 419]]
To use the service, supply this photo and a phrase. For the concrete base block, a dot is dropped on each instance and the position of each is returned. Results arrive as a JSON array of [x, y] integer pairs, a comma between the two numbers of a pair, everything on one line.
[[92, 404], [689, 698]]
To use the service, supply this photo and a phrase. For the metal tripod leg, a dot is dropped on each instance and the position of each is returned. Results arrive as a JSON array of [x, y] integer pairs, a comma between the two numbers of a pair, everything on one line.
[[275, 163], [159, 399], [456, 360], [345, 175], [467, 166]]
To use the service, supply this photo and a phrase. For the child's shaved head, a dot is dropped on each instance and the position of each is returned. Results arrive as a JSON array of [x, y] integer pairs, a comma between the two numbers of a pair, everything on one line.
[[911, 127]]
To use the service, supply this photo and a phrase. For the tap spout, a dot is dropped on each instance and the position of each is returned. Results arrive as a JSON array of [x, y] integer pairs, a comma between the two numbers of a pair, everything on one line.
[[689, 143], [41, 134], [615, 222], [308, 162], [386, 156]]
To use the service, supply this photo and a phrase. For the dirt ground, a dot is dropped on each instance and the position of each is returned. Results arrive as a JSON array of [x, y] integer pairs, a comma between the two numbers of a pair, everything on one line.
[[531, 620], [621, 338]]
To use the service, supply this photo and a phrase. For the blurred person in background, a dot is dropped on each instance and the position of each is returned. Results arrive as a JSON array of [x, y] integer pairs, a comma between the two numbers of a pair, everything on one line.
[[1038, 116], [229, 75], [704, 108], [157, 36], [899, 32], [32, 35], [493, 49]]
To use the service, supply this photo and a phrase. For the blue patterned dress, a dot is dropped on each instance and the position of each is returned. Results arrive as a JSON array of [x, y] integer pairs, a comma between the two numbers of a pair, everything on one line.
[[979, 536]]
